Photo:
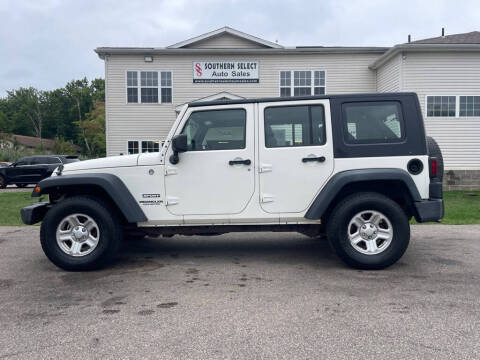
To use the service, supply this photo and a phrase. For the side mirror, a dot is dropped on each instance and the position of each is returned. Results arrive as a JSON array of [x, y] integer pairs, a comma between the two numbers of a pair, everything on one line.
[[179, 144]]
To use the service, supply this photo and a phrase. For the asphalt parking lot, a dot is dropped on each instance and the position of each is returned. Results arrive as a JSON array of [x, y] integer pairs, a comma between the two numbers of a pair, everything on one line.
[[243, 296]]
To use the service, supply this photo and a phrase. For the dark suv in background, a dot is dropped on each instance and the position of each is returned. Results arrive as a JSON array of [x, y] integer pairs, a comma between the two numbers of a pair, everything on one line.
[[32, 169]]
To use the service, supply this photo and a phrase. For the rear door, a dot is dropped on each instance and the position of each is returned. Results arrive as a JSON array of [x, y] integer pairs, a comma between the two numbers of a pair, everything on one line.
[[295, 153]]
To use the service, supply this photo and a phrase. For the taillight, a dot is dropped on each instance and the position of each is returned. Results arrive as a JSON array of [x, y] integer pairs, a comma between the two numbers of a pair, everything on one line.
[[433, 167]]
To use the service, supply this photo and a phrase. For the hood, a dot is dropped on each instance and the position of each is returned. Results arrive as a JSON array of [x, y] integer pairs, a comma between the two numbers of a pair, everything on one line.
[[107, 162]]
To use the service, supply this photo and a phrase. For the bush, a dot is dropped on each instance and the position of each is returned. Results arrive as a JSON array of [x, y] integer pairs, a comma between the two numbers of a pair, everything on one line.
[[62, 146]]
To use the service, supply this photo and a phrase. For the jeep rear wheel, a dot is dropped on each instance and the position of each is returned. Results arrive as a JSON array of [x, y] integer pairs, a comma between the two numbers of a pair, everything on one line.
[[368, 231], [3, 183], [81, 233]]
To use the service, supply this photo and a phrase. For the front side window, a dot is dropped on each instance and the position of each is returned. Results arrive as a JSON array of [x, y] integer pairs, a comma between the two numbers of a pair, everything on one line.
[[302, 83], [216, 130], [289, 126], [372, 122], [469, 105], [441, 106]]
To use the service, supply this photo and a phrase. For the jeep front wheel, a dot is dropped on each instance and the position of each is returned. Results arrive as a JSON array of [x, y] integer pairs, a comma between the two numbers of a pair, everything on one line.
[[368, 231], [81, 233]]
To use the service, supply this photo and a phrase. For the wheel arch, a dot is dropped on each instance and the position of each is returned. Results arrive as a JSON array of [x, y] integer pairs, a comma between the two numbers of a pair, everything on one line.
[[107, 186], [396, 184]]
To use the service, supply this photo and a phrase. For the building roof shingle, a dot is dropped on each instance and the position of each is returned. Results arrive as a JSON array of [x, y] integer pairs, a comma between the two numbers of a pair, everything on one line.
[[465, 38]]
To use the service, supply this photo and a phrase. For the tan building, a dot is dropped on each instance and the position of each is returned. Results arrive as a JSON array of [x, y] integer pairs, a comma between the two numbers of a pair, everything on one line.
[[146, 86]]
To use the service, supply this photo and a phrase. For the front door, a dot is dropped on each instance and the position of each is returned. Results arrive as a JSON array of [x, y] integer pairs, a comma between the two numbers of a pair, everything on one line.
[[295, 154], [215, 175]]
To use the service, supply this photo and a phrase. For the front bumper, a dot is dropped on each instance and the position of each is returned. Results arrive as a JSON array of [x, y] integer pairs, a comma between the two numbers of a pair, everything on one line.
[[34, 213], [429, 210]]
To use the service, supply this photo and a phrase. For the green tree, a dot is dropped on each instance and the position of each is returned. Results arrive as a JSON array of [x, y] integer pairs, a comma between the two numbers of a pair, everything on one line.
[[94, 129], [28, 104], [5, 124]]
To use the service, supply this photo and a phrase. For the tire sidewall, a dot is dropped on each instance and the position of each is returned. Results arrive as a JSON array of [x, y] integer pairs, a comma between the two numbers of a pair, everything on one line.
[[108, 235], [339, 235]]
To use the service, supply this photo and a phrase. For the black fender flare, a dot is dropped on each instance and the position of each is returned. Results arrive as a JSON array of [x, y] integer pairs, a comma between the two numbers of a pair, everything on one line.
[[341, 179], [111, 184]]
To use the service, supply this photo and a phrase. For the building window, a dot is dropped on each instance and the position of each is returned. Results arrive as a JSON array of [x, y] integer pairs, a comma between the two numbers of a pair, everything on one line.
[[441, 106], [469, 105], [132, 147], [132, 87], [305, 83], [151, 90], [302, 83], [166, 86], [136, 147], [150, 146], [285, 83], [149, 86], [319, 83]]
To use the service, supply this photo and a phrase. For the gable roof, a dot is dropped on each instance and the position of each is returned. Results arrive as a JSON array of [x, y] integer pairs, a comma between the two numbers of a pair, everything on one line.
[[472, 37], [222, 31]]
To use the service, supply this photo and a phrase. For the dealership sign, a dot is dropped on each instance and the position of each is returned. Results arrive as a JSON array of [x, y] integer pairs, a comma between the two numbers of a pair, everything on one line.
[[225, 71]]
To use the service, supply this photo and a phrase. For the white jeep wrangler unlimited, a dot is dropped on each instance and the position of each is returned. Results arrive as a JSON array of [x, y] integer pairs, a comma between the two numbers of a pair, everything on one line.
[[354, 167]]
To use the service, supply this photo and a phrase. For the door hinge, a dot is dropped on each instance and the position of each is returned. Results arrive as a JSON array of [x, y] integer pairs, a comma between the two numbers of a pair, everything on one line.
[[265, 168], [171, 200], [266, 198], [169, 170]]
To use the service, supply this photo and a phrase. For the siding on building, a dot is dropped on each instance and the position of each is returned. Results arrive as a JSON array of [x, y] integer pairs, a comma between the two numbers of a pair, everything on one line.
[[389, 75], [345, 73], [447, 73]]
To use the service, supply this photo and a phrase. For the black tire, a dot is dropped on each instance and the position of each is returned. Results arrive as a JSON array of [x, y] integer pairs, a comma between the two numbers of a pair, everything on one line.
[[21, 185], [434, 151], [111, 233], [337, 227], [3, 183]]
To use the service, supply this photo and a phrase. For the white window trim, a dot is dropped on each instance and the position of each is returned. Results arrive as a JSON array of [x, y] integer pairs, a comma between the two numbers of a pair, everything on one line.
[[139, 141], [139, 93], [457, 106], [292, 80]]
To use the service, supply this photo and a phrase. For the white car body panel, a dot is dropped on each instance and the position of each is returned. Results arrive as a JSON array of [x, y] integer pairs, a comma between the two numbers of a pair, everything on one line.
[[203, 189]]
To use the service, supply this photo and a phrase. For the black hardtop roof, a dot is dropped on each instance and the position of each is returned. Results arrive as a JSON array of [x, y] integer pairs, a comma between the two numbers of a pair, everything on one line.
[[358, 96]]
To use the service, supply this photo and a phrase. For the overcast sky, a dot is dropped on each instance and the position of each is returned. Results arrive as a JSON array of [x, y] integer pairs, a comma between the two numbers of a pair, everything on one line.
[[46, 43]]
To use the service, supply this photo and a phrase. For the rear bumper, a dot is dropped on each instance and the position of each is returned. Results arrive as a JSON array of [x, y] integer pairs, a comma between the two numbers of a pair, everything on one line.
[[34, 213], [429, 210]]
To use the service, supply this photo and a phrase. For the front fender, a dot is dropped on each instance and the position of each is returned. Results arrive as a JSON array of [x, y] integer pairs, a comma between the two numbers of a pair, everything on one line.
[[111, 184]]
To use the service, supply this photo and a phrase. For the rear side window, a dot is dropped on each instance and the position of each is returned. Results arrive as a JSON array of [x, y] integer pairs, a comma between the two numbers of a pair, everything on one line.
[[289, 126], [372, 122], [216, 130]]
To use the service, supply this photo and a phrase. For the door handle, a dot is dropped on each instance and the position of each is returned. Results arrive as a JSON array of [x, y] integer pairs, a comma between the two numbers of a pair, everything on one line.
[[319, 159], [240, 162]]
